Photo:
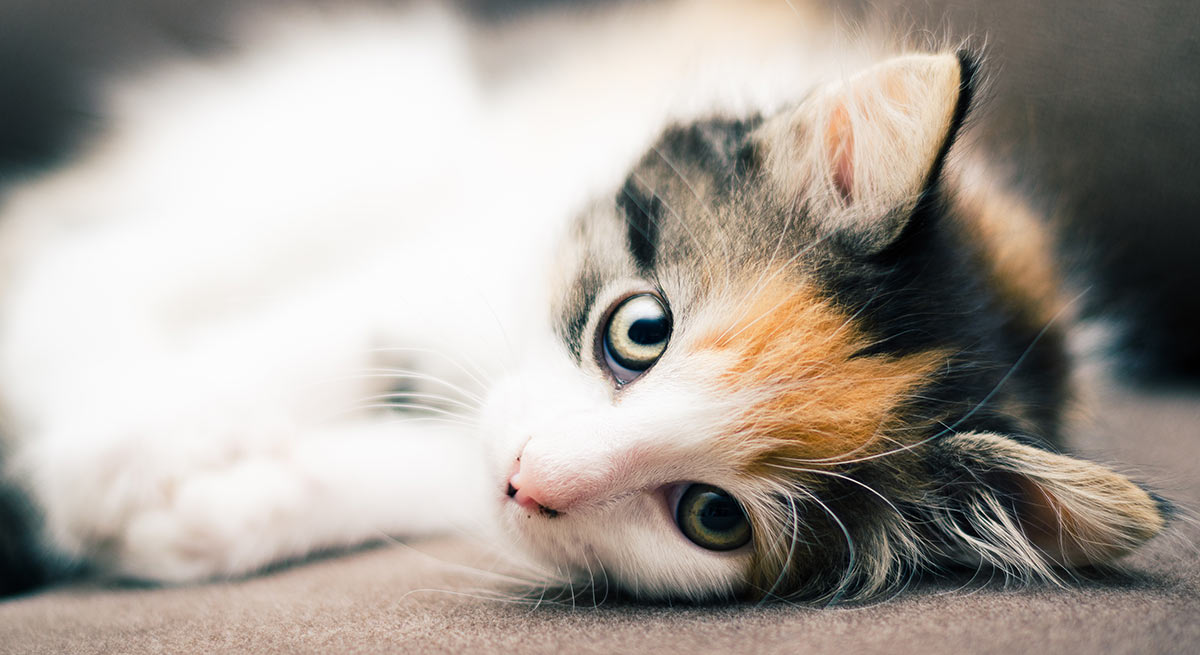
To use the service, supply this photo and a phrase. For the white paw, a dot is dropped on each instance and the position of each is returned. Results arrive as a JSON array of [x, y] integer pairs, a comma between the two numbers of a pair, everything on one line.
[[220, 523], [171, 500]]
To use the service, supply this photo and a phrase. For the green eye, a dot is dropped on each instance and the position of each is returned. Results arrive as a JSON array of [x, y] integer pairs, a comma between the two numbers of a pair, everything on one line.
[[636, 335], [711, 518]]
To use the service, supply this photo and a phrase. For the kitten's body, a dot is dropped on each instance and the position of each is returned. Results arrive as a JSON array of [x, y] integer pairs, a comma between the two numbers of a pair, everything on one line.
[[202, 315]]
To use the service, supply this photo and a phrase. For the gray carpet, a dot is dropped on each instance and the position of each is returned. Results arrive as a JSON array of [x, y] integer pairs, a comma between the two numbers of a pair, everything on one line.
[[421, 597]]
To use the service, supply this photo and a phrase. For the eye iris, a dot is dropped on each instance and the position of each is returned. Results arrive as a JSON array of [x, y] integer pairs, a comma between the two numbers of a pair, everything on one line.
[[637, 332], [712, 519]]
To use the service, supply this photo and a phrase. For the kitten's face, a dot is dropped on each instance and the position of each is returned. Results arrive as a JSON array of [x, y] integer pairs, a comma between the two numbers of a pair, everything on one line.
[[739, 400]]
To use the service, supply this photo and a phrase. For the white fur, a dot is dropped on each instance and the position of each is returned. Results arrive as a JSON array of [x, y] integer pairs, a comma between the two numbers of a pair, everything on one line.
[[196, 311]]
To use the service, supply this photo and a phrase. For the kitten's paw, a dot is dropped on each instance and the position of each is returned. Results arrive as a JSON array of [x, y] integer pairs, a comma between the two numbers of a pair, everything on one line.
[[217, 524], [171, 499], [217, 502]]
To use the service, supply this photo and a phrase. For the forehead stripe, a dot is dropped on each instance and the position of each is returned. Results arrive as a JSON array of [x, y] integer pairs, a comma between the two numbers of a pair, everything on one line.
[[575, 314], [642, 211]]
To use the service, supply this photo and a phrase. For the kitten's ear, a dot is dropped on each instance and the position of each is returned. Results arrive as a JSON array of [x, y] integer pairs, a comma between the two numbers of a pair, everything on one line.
[[858, 154], [1020, 506]]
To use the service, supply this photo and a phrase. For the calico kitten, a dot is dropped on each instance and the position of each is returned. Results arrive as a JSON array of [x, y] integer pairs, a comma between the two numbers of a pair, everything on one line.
[[832, 359], [806, 351]]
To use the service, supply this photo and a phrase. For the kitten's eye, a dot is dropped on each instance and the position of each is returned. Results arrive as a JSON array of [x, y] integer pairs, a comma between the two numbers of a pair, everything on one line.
[[636, 335], [711, 518]]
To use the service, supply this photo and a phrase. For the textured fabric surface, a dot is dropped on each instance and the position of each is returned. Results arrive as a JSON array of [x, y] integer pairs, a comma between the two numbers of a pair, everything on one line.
[[423, 597]]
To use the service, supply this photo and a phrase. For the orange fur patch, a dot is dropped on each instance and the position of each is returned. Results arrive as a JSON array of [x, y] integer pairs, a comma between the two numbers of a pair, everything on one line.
[[814, 399], [1012, 244]]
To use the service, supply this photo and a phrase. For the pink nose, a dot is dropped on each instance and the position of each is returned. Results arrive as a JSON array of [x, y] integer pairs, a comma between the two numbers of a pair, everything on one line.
[[526, 495]]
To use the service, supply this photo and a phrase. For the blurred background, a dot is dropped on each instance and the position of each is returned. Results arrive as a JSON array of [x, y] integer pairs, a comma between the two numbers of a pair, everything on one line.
[[1097, 103]]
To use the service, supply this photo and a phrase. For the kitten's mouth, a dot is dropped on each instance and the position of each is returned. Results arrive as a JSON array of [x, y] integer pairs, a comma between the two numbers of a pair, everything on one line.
[[526, 501]]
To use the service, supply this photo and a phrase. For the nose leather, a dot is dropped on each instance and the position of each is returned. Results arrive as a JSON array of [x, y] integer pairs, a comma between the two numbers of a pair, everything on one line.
[[551, 491], [524, 494]]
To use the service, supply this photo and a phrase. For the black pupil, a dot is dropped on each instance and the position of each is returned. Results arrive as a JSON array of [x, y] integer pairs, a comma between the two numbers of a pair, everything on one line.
[[720, 513], [648, 331]]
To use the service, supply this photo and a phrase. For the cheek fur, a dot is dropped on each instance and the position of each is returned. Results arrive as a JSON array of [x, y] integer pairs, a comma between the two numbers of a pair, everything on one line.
[[813, 402], [814, 399]]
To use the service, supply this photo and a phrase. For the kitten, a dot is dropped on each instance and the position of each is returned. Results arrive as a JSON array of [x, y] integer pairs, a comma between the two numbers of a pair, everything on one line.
[[800, 346]]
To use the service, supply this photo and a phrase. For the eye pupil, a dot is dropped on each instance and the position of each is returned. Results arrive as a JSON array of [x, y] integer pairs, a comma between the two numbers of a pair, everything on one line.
[[648, 331], [712, 519], [720, 513]]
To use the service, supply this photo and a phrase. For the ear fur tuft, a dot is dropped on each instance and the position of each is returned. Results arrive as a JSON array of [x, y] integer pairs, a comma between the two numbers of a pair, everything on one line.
[[1027, 509]]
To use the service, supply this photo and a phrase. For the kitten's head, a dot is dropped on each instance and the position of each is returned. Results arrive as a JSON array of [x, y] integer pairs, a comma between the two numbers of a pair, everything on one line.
[[786, 366]]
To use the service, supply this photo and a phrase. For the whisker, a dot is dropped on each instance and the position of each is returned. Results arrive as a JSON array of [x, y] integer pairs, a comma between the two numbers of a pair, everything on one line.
[[847, 478], [528, 577], [407, 374], [851, 550], [477, 374], [410, 420], [787, 561], [416, 395]]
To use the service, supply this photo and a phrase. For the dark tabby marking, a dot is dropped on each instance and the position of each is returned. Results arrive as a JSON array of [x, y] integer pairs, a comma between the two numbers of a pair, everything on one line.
[[642, 214]]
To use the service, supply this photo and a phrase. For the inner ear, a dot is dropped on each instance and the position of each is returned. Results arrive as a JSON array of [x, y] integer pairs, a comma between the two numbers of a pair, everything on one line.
[[839, 147], [889, 128], [859, 153]]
